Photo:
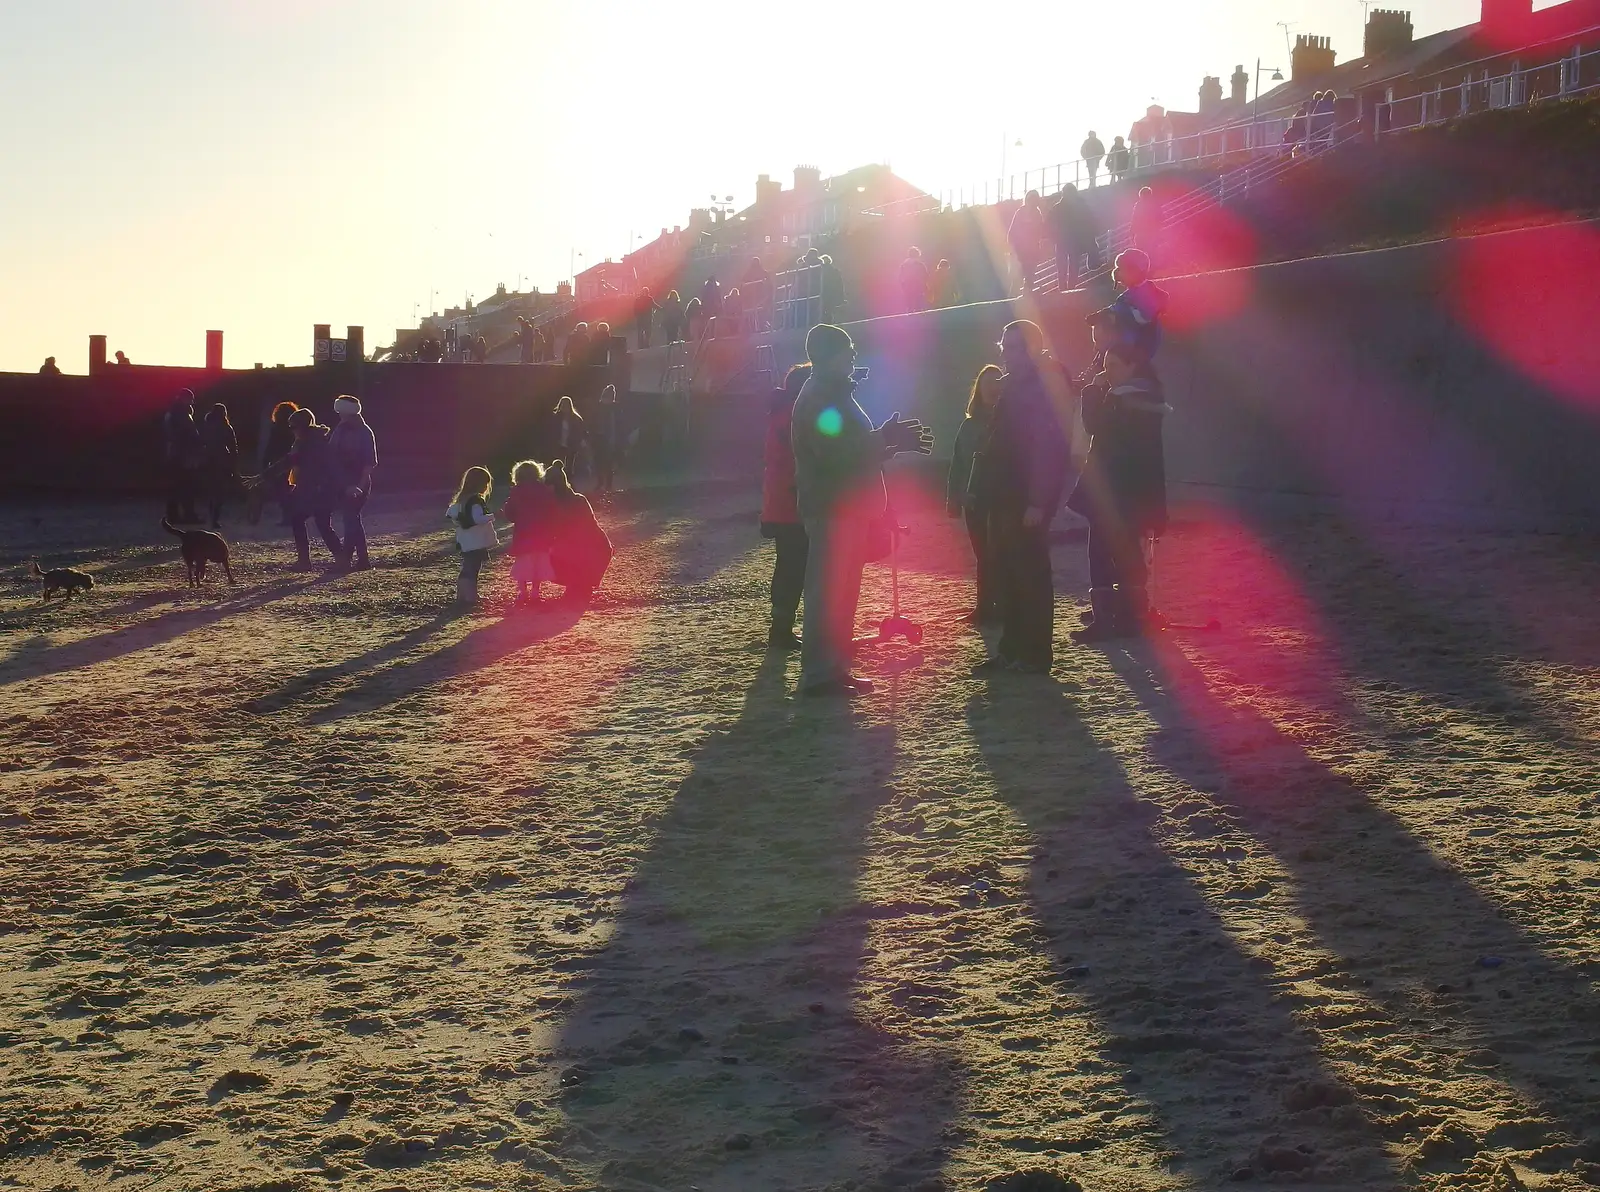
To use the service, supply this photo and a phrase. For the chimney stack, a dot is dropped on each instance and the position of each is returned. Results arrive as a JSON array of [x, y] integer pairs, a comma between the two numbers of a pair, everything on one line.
[[1388, 31], [355, 344], [213, 351], [97, 353], [1241, 85], [1506, 20], [1312, 58]]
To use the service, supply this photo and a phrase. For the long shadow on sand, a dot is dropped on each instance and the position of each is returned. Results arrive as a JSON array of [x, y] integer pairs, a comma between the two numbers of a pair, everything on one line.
[[1193, 1030], [1431, 946], [715, 1038], [480, 648], [142, 636], [306, 685]]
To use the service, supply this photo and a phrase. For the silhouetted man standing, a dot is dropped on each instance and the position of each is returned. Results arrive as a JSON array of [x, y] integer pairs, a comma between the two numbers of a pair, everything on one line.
[[1092, 150], [1022, 477]]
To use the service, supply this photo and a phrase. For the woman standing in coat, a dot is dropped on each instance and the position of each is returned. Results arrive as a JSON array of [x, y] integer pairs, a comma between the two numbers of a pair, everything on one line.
[[962, 497], [780, 513]]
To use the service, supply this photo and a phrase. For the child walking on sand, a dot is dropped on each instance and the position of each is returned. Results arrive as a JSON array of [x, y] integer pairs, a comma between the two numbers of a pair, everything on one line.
[[531, 511], [475, 534]]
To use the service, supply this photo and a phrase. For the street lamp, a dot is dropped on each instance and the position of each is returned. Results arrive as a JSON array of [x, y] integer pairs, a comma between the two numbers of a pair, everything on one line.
[[1277, 77]]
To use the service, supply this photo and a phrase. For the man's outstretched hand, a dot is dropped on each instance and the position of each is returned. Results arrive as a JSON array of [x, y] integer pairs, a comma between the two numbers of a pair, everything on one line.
[[907, 435]]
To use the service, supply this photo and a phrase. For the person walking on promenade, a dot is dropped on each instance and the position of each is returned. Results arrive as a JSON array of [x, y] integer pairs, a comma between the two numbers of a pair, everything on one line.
[[576, 350], [942, 290], [354, 449], [184, 456], [961, 496], [1092, 150], [671, 317], [1029, 234], [1022, 478], [913, 281], [780, 512], [1117, 161], [1123, 489], [475, 532], [644, 310], [1073, 225], [220, 447], [1148, 223], [840, 493]]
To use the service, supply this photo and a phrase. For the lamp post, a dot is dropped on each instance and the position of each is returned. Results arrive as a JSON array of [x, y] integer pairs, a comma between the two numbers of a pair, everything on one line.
[[1277, 77]]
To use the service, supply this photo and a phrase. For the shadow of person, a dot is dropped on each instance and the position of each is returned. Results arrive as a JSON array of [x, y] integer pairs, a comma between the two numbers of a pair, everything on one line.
[[1463, 988], [714, 1041], [1194, 1033], [480, 648], [155, 631], [302, 686]]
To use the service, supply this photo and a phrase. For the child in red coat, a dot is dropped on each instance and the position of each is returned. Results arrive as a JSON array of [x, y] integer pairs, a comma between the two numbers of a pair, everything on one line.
[[531, 510]]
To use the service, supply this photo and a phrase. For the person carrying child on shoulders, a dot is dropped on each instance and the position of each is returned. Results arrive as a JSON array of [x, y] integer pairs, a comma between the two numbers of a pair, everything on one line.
[[475, 533], [531, 510], [1141, 302], [1122, 491]]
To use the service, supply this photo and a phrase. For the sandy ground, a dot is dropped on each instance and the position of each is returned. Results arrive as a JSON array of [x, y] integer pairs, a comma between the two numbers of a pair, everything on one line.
[[306, 884]]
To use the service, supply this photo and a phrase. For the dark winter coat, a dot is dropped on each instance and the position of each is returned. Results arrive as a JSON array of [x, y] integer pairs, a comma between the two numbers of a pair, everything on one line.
[[580, 552], [531, 510], [960, 492], [1125, 474], [1024, 465], [779, 504]]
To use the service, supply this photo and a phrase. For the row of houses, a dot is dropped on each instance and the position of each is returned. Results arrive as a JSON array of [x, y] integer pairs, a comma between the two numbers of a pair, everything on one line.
[[1510, 55]]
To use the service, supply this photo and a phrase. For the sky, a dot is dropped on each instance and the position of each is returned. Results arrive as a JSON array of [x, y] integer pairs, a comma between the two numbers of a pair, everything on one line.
[[258, 166]]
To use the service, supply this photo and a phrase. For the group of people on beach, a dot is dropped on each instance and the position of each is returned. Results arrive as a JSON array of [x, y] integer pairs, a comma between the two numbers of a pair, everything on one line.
[[825, 504]]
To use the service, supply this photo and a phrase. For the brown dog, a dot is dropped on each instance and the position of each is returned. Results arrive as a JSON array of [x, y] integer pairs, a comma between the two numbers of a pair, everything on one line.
[[199, 548], [65, 580]]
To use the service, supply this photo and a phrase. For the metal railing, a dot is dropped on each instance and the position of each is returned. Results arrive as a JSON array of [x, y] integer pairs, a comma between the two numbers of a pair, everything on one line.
[[797, 298], [1575, 73]]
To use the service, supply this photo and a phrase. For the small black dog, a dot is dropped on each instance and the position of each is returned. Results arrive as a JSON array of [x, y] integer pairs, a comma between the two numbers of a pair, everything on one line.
[[199, 548], [66, 580]]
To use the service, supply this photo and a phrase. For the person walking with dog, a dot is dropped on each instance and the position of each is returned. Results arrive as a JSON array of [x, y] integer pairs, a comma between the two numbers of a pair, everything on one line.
[[780, 512], [841, 497], [1021, 481], [354, 449], [475, 532]]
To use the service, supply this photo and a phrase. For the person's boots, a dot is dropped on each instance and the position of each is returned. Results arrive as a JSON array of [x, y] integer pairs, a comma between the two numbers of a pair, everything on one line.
[[1137, 619], [1106, 625], [466, 590], [781, 636]]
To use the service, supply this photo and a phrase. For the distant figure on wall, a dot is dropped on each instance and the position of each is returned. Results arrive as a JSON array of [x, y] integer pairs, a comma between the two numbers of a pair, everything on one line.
[[1074, 235], [832, 289], [672, 317], [1117, 160], [183, 458], [1148, 223], [527, 346], [757, 287], [942, 286], [711, 298], [123, 361], [1092, 151], [913, 281], [49, 369], [354, 451], [577, 346], [644, 309], [1029, 235]]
